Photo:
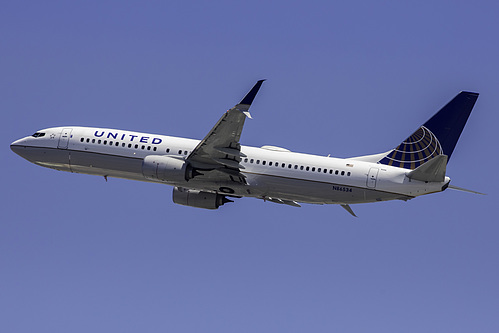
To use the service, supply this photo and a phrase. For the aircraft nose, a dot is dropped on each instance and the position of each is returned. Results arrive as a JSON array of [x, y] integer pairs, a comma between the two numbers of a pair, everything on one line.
[[18, 147]]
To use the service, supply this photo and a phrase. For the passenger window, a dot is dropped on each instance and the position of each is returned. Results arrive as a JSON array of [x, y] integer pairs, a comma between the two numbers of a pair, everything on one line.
[[319, 170], [270, 163], [252, 160], [167, 150], [330, 171], [136, 146], [180, 152], [343, 173], [185, 152], [325, 170], [283, 165], [123, 144], [313, 168], [245, 160], [155, 148], [307, 168], [82, 139], [88, 140], [148, 147], [289, 166], [296, 166], [264, 162], [129, 145], [143, 147], [99, 141], [348, 173], [301, 167], [257, 161], [105, 142], [336, 172]]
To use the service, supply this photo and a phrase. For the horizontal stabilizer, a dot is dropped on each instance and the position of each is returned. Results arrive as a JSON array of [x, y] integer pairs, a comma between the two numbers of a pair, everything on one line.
[[431, 171], [452, 187]]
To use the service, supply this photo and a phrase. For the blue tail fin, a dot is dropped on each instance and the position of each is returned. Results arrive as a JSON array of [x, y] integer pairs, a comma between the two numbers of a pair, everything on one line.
[[438, 136]]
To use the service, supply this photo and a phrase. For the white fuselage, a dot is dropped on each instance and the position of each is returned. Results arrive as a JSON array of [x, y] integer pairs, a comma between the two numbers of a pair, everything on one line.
[[270, 172]]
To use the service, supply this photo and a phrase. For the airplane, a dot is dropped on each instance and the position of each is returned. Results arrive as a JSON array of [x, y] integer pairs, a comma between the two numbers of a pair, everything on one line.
[[208, 173]]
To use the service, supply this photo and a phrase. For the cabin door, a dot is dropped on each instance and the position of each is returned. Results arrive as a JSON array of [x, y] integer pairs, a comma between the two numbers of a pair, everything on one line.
[[64, 138], [372, 177]]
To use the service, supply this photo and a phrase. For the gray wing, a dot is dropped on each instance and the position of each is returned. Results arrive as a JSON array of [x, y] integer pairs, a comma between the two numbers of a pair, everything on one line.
[[217, 157]]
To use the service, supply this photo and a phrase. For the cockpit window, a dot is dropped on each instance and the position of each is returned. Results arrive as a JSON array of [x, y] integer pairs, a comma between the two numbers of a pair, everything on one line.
[[38, 134]]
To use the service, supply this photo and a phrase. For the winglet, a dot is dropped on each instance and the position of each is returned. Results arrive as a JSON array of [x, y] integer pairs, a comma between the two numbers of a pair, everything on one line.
[[248, 99]]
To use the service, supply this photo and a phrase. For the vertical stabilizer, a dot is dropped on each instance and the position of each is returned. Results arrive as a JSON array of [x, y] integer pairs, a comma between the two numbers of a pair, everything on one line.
[[438, 136]]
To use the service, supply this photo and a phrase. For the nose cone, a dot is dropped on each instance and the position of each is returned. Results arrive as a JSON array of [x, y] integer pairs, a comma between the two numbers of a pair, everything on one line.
[[19, 147]]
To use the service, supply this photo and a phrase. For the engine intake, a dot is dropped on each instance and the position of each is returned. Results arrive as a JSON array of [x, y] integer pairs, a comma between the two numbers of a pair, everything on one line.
[[199, 199]]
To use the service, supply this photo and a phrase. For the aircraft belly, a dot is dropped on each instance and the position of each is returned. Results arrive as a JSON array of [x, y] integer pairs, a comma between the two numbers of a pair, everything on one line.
[[307, 191], [50, 158], [106, 165]]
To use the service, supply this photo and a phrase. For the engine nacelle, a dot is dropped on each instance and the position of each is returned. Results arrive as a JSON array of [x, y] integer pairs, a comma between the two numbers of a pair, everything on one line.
[[164, 168], [199, 199]]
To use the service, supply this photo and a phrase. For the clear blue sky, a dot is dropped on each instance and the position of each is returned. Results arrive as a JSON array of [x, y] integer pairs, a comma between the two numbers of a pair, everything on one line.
[[78, 254]]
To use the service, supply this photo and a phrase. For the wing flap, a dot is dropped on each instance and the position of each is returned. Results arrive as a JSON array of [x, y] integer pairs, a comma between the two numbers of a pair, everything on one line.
[[229, 163], [283, 201], [230, 151]]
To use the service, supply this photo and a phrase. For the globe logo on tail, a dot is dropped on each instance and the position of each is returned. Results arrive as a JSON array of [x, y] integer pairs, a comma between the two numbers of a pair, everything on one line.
[[416, 150]]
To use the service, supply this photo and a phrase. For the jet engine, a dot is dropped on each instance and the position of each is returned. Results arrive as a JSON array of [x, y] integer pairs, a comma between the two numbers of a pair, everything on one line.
[[199, 199]]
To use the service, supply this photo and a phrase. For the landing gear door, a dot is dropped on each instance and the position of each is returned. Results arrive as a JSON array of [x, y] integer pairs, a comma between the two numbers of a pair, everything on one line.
[[64, 138], [372, 177]]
